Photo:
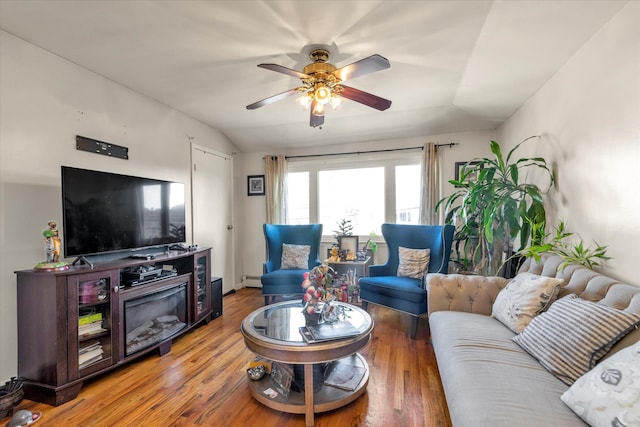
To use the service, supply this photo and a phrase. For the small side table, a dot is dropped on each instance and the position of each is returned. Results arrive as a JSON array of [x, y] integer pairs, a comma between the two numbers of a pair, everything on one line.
[[361, 267]]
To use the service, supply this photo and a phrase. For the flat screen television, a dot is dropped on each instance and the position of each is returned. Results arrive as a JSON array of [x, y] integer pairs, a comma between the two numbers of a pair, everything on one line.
[[107, 212]]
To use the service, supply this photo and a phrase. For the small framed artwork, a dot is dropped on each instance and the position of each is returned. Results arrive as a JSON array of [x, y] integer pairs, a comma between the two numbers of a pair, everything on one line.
[[460, 165], [348, 244], [281, 378], [255, 185]]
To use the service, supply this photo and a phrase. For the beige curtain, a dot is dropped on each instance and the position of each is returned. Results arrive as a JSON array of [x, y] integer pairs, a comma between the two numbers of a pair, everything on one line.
[[275, 168], [430, 184]]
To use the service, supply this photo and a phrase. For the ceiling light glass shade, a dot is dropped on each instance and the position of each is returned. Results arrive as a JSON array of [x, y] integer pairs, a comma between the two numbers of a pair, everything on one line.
[[336, 102], [305, 101], [318, 110], [322, 94]]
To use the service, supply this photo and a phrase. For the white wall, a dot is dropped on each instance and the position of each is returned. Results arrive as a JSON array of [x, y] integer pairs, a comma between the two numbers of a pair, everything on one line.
[[251, 239], [589, 117], [45, 102]]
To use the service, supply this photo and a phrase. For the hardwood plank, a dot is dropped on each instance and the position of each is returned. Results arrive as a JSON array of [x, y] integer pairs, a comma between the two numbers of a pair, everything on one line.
[[202, 382]]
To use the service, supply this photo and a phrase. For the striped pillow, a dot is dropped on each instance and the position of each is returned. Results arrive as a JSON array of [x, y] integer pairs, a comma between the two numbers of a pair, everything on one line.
[[413, 262], [570, 338]]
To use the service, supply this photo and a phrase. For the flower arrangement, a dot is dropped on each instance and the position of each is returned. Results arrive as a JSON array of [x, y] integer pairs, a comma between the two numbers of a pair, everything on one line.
[[315, 283]]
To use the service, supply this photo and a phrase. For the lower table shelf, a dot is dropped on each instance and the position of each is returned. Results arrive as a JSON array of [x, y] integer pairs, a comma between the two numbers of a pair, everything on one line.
[[326, 398]]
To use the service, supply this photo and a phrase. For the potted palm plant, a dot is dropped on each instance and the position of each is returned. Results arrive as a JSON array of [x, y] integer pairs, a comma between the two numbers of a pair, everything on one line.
[[569, 247], [492, 206]]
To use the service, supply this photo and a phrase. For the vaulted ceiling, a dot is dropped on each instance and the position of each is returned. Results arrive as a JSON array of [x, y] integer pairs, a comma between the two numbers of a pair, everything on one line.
[[455, 65]]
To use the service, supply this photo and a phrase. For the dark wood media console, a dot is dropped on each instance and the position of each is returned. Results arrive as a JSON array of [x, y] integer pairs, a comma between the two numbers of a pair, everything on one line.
[[81, 322]]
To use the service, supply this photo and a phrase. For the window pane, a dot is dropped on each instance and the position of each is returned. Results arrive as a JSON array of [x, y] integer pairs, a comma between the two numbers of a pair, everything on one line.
[[407, 194], [298, 198], [349, 194]]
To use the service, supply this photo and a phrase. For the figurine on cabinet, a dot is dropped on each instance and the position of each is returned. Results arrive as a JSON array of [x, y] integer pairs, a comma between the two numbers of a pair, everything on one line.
[[52, 246], [51, 243]]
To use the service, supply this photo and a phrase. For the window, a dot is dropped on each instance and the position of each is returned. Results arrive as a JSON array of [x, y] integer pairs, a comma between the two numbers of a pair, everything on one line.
[[408, 194], [346, 194], [368, 190], [298, 198]]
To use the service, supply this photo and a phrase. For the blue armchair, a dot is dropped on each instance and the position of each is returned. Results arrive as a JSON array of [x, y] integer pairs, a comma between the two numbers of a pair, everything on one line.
[[407, 294], [278, 281]]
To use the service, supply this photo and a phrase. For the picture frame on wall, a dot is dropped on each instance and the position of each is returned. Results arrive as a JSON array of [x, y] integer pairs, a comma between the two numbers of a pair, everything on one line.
[[460, 165], [255, 185]]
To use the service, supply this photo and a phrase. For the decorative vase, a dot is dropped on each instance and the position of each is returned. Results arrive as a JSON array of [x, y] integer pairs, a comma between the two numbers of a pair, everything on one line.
[[311, 318]]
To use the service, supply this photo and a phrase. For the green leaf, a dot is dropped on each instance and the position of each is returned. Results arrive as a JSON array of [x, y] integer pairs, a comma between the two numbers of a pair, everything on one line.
[[497, 151]]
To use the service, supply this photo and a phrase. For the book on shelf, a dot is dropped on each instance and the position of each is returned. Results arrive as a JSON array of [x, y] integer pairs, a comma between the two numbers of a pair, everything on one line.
[[345, 376], [89, 346], [89, 353], [84, 362], [89, 318], [328, 331], [91, 329]]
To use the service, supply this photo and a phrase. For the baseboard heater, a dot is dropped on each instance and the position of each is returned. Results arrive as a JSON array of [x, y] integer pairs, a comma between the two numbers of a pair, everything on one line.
[[249, 281]]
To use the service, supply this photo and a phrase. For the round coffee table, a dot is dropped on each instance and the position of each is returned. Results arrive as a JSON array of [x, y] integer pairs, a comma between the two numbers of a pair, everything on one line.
[[273, 333]]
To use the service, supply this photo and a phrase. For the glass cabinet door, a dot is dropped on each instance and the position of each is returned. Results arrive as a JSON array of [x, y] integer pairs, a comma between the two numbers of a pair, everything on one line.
[[93, 322], [202, 286]]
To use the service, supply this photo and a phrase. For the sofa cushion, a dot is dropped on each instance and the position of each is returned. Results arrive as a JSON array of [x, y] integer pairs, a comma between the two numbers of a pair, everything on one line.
[[609, 395], [295, 257], [489, 380], [524, 297], [573, 335], [413, 262]]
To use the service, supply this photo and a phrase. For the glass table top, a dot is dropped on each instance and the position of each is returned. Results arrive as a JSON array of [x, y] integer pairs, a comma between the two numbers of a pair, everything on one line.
[[282, 321]]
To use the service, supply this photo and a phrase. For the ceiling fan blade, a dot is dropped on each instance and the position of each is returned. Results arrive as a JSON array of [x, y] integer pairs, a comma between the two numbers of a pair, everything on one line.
[[365, 98], [315, 121], [272, 99], [284, 70], [364, 66]]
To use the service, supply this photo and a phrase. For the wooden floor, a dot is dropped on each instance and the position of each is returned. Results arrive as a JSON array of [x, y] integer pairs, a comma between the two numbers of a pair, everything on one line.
[[202, 382]]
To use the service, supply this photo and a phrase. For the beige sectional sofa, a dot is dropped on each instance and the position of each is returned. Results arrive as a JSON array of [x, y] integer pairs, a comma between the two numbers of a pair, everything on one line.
[[488, 379]]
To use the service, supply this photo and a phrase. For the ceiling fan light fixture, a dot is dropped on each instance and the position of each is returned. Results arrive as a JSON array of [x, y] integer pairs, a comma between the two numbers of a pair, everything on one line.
[[322, 93], [336, 102], [318, 110], [305, 101]]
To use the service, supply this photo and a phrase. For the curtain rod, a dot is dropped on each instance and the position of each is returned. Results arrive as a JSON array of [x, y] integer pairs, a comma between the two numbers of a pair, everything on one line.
[[451, 144]]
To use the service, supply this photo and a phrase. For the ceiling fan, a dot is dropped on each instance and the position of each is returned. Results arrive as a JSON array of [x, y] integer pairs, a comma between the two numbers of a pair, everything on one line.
[[322, 84]]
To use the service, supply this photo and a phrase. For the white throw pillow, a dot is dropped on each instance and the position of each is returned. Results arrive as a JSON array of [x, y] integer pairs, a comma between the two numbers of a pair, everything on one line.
[[295, 257], [609, 394], [413, 262], [524, 297]]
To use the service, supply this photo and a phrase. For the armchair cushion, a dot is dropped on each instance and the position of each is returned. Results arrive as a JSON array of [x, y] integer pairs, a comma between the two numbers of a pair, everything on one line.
[[295, 257], [406, 288], [413, 262]]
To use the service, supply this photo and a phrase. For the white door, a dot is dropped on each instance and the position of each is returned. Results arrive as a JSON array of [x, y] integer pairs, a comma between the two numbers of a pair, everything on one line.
[[212, 201]]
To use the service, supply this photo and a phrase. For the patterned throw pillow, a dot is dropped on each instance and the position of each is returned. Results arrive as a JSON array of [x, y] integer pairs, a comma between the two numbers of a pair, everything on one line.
[[570, 338], [413, 262], [609, 394], [295, 257], [524, 297]]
